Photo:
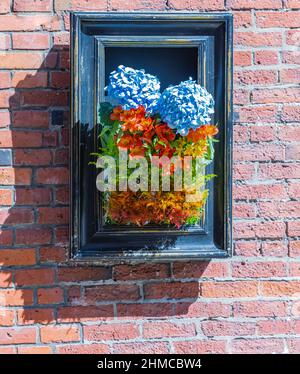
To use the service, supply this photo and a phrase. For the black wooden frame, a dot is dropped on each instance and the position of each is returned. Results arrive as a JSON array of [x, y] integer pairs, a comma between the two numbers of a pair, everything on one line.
[[90, 33]]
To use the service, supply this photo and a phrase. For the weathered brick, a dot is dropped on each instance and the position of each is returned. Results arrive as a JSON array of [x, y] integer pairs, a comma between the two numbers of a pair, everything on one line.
[[59, 334], [111, 332], [9, 336], [32, 5], [200, 347], [168, 329], [30, 41], [229, 289], [195, 4]]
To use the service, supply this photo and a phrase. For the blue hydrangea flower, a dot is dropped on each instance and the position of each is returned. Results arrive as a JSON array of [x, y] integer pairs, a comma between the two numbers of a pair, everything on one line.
[[130, 88], [186, 106]]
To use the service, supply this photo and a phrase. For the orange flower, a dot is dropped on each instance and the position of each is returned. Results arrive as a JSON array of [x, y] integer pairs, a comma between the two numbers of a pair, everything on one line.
[[115, 115], [201, 133]]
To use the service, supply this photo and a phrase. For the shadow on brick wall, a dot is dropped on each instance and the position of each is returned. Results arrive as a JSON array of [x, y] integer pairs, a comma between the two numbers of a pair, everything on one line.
[[34, 237]]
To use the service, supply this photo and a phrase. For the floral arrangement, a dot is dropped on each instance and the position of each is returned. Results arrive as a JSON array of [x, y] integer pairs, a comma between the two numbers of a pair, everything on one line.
[[144, 122]]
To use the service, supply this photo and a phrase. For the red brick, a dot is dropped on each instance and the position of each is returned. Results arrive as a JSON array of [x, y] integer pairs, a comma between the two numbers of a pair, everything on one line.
[[253, 4], [5, 279], [30, 118], [294, 345], [292, 37], [244, 210], [202, 309], [278, 19], [172, 290], [12, 297], [293, 4], [240, 96], [62, 235], [114, 332], [34, 350], [58, 175], [50, 139], [53, 254], [199, 347], [254, 39], [112, 292], [294, 248], [250, 77], [5, 6], [262, 133], [280, 288], [23, 335], [61, 40], [32, 5], [6, 317], [17, 257], [30, 41], [64, 60], [15, 216], [32, 196], [254, 114], [139, 311], [5, 197], [85, 313], [29, 277], [4, 119], [33, 236], [251, 230], [80, 5], [242, 19], [274, 248], [29, 79], [20, 60], [247, 248], [289, 133], [20, 139], [168, 330], [260, 309], [16, 22], [59, 334], [7, 350], [15, 176], [290, 57], [266, 152], [194, 4], [254, 346], [294, 269], [56, 216], [229, 289], [5, 98], [62, 195], [80, 274], [143, 271], [275, 95], [32, 157], [287, 209], [60, 79], [258, 269], [203, 269], [294, 228], [50, 61], [5, 237], [290, 75], [279, 171], [84, 349], [5, 81], [61, 157], [36, 315], [141, 348], [290, 113], [226, 328], [44, 98], [266, 57], [242, 58], [50, 295], [243, 171]]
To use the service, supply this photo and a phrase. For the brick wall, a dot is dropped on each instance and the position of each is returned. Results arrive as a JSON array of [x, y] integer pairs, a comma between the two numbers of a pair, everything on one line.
[[249, 303]]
